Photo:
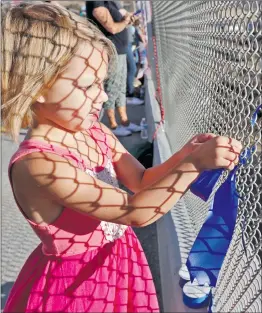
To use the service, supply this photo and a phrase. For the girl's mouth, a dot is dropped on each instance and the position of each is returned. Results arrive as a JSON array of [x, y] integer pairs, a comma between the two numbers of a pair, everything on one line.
[[94, 116]]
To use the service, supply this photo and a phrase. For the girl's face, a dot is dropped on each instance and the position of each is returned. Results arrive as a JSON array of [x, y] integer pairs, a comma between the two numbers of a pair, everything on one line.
[[75, 99]]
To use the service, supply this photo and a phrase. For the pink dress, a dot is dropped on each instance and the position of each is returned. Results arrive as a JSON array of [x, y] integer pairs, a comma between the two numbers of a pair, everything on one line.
[[83, 265]]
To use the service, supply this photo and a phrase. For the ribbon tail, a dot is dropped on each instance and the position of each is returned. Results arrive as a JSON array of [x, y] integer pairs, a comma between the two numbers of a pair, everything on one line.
[[210, 307], [211, 245]]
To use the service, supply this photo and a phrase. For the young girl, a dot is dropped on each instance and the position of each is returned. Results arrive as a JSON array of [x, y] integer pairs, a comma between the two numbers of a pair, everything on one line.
[[64, 174]]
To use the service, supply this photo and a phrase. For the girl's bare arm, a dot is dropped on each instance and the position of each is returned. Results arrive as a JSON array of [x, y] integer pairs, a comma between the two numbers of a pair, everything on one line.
[[68, 186]]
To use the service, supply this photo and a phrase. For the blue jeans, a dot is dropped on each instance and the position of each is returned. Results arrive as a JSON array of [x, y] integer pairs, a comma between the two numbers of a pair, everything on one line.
[[131, 69]]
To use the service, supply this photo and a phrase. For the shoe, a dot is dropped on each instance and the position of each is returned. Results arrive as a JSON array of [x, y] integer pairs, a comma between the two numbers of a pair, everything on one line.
[[140, 73], [137, 83], [133, 128], [134, 101], [121, 131]]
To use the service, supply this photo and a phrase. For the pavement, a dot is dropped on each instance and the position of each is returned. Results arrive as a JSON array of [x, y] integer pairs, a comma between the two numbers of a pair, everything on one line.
[[18, 240]]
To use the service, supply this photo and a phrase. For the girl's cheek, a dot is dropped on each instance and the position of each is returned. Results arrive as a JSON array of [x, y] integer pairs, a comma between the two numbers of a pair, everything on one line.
[[99, 95]]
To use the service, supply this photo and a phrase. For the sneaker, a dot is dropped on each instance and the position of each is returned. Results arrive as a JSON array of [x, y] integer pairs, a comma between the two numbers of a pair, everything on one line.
[[121, 131], [137, 83], [140, 73], [134, 101], [133, 128]]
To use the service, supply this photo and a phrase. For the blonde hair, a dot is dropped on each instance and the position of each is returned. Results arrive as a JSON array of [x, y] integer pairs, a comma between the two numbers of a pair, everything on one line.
[[38, 40]]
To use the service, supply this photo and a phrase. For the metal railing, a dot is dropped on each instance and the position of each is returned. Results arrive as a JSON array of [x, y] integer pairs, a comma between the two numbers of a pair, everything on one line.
[[209, 59]]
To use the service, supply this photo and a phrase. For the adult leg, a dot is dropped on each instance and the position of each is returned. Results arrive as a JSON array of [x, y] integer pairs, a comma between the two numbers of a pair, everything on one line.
[[121, 100], [131, 70], [131, 73], [114, 90]]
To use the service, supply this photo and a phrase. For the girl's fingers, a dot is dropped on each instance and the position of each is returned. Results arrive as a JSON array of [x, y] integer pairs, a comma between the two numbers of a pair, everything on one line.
[[230, 156], [235, 149], [223, 163], [205, 137], [231, 166], [232, 143], [232, 163], [237, 146], [228, 162]]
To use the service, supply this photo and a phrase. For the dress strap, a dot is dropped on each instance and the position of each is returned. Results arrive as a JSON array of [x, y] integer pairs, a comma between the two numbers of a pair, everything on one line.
[[30, 146]]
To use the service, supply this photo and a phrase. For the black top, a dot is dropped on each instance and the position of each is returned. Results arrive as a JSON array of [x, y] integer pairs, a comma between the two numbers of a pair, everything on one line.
[[120, 39]]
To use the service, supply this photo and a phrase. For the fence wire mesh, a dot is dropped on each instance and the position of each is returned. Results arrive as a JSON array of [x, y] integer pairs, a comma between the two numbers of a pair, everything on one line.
[[209, 57]]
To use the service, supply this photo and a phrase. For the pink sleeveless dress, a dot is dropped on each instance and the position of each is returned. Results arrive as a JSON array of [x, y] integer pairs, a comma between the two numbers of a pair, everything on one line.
[[83, 265]]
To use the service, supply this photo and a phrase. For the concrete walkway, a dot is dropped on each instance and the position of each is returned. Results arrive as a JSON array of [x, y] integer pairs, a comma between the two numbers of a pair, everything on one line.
[[18, 240]]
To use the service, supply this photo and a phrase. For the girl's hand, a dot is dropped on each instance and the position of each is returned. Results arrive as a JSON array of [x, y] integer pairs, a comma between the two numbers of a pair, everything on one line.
[[217, 152], [194, 143]]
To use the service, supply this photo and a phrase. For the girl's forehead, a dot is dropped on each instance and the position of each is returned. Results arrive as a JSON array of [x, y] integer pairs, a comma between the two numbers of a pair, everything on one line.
[[89, 58], [93, 53]]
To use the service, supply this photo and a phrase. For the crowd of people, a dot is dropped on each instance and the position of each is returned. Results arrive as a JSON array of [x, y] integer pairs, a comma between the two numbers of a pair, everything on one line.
[[124, 30]]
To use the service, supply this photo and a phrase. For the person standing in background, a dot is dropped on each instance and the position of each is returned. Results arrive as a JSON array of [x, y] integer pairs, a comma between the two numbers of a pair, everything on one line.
[[131, 69], [113, 21], [141, 43]]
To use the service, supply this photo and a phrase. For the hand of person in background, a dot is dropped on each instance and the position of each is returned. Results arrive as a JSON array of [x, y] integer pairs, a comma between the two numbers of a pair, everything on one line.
[[133, 18], [127, 19], [123, 12], [126, 16]]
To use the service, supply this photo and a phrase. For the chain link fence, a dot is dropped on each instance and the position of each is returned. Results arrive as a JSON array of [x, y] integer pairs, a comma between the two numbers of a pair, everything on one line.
[[209, 58]]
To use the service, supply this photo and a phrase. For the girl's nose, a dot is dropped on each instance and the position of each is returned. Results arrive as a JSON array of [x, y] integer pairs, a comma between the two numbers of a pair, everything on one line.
[[102, 97]]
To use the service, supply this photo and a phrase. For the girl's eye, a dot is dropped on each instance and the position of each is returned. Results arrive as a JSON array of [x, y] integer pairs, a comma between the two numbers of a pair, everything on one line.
[[88, 87], [85, 88], [98, 85]]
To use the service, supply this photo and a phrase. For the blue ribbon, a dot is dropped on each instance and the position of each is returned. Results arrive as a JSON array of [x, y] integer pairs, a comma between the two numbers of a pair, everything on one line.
[[211, 245], [255, 115], [205, 184]]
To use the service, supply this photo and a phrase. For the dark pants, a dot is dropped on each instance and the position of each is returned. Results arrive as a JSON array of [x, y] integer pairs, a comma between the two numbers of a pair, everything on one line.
[[131, 70]]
